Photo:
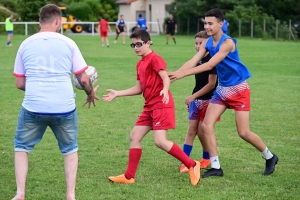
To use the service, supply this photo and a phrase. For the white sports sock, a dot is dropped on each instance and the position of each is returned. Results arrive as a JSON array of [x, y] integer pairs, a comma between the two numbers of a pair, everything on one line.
[[215, 162], [267, 154]]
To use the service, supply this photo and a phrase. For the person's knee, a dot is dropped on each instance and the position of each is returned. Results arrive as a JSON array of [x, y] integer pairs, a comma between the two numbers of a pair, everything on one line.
[[159, 142], [244, 134]]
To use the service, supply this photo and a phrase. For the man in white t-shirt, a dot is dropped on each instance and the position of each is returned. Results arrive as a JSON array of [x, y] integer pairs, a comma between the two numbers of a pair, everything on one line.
[[43, 68]]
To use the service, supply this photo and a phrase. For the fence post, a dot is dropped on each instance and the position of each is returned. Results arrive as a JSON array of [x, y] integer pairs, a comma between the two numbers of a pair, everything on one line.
[[264, 25], [93, 29], [240, 31], [26, 29], [276, 34], [251, 27]]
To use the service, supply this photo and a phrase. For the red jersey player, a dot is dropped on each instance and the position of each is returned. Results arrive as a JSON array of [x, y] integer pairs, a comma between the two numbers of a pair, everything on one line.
[[158, 114], [103, 26]]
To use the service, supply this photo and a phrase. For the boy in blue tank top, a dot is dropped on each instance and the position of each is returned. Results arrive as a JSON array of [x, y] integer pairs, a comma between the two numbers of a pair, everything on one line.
[[232, 92]]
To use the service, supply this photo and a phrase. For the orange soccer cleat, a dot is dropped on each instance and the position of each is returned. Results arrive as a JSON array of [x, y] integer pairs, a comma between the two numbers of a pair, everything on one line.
[[204, 163], [121, 179]]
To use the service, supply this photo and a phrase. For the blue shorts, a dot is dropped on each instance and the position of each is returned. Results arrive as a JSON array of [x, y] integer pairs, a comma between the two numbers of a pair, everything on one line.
[[197, 109], [9, 32], [31, 128]]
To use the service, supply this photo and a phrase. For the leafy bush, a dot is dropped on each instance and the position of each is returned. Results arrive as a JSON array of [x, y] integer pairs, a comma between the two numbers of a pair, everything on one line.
[[80, 10]]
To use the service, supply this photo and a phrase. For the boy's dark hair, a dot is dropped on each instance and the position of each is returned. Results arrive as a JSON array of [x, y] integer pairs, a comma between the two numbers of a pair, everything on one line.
[[201, 34], [48, 13], [141, 34], [217, 13], [140, 15]]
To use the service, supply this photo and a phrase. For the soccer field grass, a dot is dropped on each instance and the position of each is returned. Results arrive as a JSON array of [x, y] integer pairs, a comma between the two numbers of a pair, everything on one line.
[[104, 130]]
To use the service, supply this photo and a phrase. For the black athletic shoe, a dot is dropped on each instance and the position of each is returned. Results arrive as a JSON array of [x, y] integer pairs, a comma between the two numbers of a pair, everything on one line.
[[212, 172], [270, 165]]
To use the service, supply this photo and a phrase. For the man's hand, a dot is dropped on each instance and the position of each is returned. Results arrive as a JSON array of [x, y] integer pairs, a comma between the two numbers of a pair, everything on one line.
[[110, 96], [91, 98], [174, 76]]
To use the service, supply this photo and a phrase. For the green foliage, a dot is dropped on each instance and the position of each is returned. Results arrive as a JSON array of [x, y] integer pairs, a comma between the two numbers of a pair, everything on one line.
[[29, 10], [245, 14], [9, 4], [80, 10]]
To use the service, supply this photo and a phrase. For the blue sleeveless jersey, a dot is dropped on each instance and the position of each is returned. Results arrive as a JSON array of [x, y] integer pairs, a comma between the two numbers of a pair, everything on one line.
[[230, 70]]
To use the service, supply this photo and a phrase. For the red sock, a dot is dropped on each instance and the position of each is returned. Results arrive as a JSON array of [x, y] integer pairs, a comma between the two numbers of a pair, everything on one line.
[[135, 155], [181, 156]]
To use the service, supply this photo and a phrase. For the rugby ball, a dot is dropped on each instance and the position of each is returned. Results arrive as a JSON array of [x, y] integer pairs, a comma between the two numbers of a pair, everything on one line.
[[91, 72]]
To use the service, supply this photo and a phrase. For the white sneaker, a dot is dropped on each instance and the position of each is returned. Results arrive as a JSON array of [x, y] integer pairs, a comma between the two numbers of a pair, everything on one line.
[[115, 41]]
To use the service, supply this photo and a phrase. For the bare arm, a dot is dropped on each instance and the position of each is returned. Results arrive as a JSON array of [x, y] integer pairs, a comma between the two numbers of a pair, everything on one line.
[[175, 28], [135, 90], [166, 81], [212, 79], [227, 46], [21, 83], [86, 84], [196, 59]]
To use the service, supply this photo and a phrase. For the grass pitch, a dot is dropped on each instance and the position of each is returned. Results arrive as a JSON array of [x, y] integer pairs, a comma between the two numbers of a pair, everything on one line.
[[104, 130]]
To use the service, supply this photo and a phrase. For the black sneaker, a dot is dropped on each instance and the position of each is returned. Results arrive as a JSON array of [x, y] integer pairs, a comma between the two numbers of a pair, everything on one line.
[[212, 172], [270, 165]]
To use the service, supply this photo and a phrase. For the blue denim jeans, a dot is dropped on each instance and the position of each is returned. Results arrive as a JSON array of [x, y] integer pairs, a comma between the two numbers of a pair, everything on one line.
[[31, 128]]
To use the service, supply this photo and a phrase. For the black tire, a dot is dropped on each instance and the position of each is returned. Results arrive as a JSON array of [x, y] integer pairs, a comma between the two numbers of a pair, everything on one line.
[[87, 28], [77, 28]]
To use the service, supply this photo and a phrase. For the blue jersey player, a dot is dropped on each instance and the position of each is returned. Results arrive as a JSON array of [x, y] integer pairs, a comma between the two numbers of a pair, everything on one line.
[[232, 92], [142, 22]]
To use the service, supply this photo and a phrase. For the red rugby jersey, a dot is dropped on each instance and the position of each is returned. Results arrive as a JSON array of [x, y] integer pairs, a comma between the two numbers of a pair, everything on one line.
[[147, 73]]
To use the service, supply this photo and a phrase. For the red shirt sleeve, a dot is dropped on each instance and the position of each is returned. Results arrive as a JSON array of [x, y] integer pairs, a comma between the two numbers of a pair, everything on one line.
[[158, 63]]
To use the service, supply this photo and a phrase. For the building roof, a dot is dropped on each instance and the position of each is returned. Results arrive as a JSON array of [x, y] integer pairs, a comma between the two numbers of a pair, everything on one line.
[[124, 1]]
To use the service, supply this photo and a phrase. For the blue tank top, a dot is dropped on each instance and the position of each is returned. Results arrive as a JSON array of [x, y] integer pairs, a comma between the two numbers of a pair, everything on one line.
[[230, 70]]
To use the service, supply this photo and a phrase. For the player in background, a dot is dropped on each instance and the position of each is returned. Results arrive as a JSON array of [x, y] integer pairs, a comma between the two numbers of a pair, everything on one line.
[[120, 29], [206, 83], [43, 67], [170, 29], [103, 27], [158, 114], [142, 22], [225, 26], [9, 27], [232, 92]]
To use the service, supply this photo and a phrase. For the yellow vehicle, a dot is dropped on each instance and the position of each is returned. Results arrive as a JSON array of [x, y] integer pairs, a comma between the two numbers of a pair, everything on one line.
[[73, 26]]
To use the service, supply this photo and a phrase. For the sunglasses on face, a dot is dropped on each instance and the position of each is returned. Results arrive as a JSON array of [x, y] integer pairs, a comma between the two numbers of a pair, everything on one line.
[[138, 44]]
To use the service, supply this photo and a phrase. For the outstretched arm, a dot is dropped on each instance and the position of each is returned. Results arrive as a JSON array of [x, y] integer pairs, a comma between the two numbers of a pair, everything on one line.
[[227, 46], [137, 89]]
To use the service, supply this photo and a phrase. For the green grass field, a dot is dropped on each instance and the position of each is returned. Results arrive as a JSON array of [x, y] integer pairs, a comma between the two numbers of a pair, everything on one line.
[[104, 130]]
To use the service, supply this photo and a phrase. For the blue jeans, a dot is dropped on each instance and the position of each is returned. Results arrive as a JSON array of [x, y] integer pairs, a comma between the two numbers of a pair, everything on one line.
[[31, 128]]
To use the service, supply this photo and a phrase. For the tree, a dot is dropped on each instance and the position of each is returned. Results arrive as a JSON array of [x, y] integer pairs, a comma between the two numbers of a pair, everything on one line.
[[29, 10]]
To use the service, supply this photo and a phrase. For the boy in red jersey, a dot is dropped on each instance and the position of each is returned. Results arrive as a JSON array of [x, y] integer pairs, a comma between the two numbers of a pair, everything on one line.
[[158, 115], [103, 26]]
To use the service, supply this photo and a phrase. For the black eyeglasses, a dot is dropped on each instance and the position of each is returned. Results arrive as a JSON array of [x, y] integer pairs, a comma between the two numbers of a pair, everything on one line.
[[138, 44]]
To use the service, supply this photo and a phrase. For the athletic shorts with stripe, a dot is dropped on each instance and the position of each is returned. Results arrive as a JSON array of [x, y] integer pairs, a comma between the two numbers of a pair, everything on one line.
[[235, 97], [158, 119], [197, 109]]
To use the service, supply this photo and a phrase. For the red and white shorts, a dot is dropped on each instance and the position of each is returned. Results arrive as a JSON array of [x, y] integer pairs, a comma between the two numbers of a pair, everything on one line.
[[235, 97]]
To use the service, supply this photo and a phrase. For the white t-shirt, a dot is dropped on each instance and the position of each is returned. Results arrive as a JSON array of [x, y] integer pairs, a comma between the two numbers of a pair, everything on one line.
[[47, 60]]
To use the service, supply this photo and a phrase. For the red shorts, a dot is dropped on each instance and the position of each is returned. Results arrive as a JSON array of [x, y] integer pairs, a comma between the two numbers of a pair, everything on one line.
[[158, 119], [103, 33], [234, 97]]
